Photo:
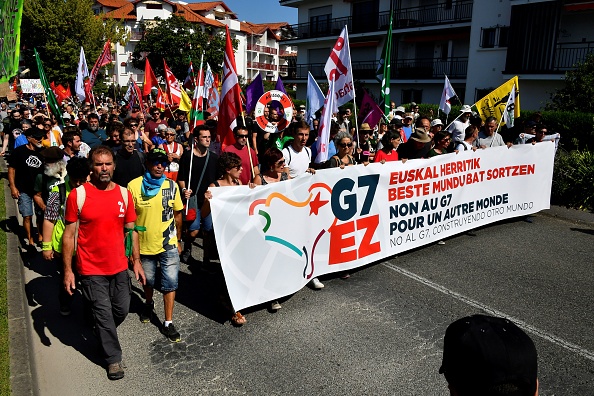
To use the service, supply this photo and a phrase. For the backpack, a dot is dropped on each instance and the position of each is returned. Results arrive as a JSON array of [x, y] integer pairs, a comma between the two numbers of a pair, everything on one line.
[[307, 150]]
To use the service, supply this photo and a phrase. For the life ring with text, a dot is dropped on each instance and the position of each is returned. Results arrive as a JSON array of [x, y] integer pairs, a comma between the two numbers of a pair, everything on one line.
[[264, 101]]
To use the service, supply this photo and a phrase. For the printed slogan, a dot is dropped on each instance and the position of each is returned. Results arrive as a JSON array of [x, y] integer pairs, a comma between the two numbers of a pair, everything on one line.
[[273, 239]]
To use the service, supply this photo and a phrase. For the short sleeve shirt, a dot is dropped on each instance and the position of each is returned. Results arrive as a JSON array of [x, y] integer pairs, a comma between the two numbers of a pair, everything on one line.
[[156, 215], [298, 162], [246, 174], [100, 249]]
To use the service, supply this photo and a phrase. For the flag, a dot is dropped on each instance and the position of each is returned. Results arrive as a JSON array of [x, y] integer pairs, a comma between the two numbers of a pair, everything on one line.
[[510, 106], [493, 104], [253, 92], [324, 127], [150, 80], [62, 93], [162, 101], [338, 69], [11, 15], [82, 73], [104, 59], [211, 86], [189, 81], [315, 98], [49, 95], [369, 112], [279, 86], [173, 88], [230, 107], [383, 69], [185, 103], [197, 111], [448, 93], [133, 94]]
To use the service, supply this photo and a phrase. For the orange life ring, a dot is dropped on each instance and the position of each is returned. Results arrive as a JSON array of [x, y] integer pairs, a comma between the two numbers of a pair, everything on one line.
[[264, 101]]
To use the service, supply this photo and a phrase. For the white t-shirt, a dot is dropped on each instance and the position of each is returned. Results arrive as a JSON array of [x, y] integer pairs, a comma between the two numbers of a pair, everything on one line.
[[298, 162], [457, 129]]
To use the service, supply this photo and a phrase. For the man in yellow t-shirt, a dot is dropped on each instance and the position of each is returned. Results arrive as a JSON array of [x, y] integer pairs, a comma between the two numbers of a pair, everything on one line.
[[157, 232]]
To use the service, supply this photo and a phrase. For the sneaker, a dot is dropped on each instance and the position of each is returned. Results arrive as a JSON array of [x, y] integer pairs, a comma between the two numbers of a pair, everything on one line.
[[186, 254], [316, 284], [115, 371], [147, 312], [171, 333], [441, 243], [275, 306]]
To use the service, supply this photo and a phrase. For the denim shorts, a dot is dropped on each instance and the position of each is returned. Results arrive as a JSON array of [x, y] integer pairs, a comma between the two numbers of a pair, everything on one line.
[[206, 223], [169, 263], [25, 204]]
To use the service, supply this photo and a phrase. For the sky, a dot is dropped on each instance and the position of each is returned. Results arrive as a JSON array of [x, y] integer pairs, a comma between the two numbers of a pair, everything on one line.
[[260, 11]]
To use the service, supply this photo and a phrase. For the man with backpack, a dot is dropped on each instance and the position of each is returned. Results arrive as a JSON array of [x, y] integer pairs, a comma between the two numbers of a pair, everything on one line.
[[100, 213]]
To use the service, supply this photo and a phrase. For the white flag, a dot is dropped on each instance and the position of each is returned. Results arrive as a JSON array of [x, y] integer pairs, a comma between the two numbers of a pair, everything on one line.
[[508, 113], [338, 69], [83, 71], [315, 98], [324, 128], [448, 93]]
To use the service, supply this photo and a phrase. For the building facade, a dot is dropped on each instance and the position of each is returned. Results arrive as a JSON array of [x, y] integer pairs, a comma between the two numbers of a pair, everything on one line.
[[478, 44]]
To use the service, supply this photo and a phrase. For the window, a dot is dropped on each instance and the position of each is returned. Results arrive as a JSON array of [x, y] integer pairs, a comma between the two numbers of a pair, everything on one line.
[[481, 93], [496, 36], [319, 20], [153, 6], [412, 95]]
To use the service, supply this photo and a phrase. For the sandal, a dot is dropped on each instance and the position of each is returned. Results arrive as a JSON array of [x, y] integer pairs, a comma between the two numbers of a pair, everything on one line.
[[238, 319]]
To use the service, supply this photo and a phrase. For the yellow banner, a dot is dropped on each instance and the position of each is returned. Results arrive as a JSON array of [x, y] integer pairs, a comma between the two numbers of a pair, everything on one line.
[[493, 105]]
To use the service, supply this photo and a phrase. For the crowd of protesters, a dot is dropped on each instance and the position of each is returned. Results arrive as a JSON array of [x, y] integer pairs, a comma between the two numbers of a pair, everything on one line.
[[109, 173]]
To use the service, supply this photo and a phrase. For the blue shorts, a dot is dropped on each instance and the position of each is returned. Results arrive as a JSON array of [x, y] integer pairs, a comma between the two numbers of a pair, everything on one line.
[[169, 263], [25, 204], [206, 223]]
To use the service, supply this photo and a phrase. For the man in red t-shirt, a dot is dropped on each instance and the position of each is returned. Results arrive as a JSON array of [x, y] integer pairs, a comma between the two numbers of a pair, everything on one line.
[[240, 148], [102, 212], [151, 126]]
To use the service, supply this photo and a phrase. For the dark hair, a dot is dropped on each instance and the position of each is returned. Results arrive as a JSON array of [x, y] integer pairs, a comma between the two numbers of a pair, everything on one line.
[[387, 139], [100, 150], [418, 121], [68, 137], [93, 115], [489, 119], [78, 168], [203, 127], [469, 131], [439, 135], [270, 157], [226, 161], [26, 121], [238, 128], [295, 126], [541, 126], [476, 121]]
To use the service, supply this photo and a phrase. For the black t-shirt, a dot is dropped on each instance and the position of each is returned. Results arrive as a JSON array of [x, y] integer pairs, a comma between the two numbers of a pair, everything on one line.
[[27, 165], [409, 151], [210, 174], [128, 168]]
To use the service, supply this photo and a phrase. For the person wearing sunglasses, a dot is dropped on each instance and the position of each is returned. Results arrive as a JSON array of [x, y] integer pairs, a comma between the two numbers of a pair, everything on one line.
[[158, 205], [344, 144], [441, 141], [152, 125], [244, 152], [174, 151]]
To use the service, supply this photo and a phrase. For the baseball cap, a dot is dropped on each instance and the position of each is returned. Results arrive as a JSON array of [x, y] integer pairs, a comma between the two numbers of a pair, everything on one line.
[[36, 133], [530, 124], [157, 154], [481, 352], [399, 109], [435, 122]]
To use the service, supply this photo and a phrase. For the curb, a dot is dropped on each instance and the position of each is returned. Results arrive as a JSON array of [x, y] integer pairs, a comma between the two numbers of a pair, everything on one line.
[[22, 362]]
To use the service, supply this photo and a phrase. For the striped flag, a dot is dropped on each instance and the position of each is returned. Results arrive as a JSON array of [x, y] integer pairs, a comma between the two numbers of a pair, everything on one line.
[[197, 112], [448, 93], [230, 107], [383, 69], [173, 88], [211, 87], [103, 60], [510, 107], [189, 81], [49, 94]]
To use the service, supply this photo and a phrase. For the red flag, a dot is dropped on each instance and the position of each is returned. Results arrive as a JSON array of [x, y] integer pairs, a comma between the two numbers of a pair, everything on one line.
[[150, 80], [230, 107], [104, 59], [173, 87], [189, 81], [161, 100], [369, 112]]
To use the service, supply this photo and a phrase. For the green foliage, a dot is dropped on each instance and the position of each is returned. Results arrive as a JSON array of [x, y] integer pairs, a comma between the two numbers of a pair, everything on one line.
[[176, 40], [573, 180], [578, 91], [58, 29]]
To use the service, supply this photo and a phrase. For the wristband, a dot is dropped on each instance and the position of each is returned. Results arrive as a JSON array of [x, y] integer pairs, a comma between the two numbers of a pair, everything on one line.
[[45, 246]]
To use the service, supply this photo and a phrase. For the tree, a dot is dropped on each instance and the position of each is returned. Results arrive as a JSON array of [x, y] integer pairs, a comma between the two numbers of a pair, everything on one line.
[[58, 29], [177, 41], [578, 91]]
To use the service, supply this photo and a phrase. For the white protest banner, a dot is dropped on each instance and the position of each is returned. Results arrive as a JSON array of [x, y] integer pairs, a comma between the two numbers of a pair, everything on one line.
[[31, 85], [273, 239]]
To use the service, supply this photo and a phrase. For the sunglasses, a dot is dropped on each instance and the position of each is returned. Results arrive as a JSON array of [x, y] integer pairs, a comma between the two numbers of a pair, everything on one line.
[[345, 145], [162, 163], [170, 134], [280, 162], [133, 125], [242, 136]]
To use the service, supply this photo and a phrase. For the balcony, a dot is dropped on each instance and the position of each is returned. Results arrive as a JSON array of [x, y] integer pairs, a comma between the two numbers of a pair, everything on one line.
[[567, 55], [287, 53], [402, 69], [261, 66], [261, 48], [136, 35], [459, 12]]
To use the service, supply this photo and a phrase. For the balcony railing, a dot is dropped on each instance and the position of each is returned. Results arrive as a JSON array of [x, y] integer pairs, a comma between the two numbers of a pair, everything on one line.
[[287, 53], [261, 66], [567, 55], [459, 11], [135, 35], [401, 69], [261, 48]]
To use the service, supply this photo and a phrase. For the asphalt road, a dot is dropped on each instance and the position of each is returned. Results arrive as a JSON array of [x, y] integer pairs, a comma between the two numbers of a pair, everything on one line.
[[378, 333]]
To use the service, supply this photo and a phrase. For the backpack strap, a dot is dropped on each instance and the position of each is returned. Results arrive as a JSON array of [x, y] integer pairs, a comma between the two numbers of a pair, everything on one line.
[[289, 152], [81, 195], [124, 193]]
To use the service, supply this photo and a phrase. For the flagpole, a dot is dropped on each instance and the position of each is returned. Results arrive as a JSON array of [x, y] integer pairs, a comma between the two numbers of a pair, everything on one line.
[[474, 105], [190, 172]]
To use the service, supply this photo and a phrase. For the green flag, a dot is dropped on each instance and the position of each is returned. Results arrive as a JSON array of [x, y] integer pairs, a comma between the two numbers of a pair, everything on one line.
[[383, 69], [10, 31], [49, 94]]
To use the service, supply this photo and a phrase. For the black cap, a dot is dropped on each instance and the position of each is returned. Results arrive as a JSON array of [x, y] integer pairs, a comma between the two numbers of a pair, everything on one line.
[[52, 154], [35, 132], [157, 154], [481, 352]]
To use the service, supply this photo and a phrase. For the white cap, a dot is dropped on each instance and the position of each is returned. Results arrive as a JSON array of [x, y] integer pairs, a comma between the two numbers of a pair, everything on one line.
[[466, 109], [436, 121]]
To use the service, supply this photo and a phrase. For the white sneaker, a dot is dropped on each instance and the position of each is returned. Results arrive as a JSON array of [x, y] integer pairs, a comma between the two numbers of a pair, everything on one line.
[[441, 242], [275, 306], [316, 284]]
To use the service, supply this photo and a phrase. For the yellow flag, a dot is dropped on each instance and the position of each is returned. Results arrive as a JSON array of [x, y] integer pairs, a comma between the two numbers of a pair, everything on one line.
[[493, 105], [185, 103]]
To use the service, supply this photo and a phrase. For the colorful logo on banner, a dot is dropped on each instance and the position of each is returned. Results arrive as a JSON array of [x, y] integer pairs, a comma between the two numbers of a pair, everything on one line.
[[351, 232]]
